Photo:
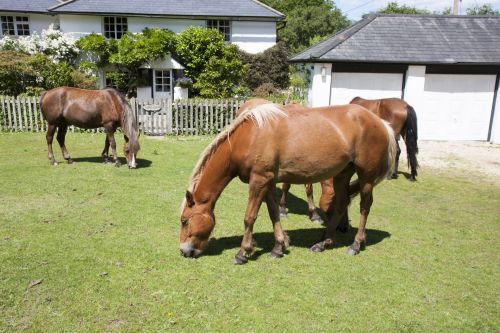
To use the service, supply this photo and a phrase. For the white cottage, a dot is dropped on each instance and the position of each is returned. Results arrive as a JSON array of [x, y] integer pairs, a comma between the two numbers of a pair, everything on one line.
[[247, 23], [446, 67]]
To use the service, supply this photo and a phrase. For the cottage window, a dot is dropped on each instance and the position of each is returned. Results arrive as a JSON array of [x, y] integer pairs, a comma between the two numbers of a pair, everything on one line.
[[15, 25], [115, 27], [224, 27], [163, 80]]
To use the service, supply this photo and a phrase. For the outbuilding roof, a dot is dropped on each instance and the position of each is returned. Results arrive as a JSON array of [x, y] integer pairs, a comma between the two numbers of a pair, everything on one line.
[[244, 9], [412, 39]]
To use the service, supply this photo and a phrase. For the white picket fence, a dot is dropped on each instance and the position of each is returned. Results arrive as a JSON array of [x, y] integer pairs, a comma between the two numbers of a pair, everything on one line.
[[155, 117]]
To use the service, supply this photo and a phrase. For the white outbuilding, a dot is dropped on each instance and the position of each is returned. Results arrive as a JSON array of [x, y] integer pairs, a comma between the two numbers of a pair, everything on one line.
[[446, 67]]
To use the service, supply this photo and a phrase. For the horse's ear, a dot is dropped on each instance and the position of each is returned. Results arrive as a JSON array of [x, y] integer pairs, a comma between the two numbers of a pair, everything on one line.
[[189, 199]]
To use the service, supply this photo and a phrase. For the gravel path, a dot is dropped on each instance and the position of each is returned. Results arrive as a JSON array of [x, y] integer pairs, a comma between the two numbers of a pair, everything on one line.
[[458, 156]]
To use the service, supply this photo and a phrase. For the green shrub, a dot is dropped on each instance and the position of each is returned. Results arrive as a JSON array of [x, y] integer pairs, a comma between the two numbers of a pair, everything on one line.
[[268, 66]]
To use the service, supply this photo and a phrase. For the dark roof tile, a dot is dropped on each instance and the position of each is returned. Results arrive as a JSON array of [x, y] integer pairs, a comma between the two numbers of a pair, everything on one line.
[[412, 39]]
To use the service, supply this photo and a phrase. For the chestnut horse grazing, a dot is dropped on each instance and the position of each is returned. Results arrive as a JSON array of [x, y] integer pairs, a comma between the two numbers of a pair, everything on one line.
[[313, 214], [266, 145], [403, 120], [65, 106]]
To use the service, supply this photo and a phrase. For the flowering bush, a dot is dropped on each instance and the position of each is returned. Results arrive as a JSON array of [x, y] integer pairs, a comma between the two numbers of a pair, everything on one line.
[[52, 42], [183, 82]]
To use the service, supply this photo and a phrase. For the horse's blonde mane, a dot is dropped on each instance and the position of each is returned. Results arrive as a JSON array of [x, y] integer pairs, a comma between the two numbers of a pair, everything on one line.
[[262, 115]]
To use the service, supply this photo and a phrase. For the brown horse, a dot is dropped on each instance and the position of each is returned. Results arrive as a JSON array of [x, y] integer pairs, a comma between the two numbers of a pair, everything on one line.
[[403, 120], [313, 214], [263, 146], [65, 106]]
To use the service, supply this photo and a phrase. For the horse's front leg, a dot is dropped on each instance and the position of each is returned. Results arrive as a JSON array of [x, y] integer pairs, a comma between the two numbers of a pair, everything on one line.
[[280, 237], [110, 134], [258, 188]]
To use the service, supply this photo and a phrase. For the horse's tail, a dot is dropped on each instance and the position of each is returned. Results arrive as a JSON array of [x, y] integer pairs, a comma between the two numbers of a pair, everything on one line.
[[387, 165], [392, 149], [129, 122], [411, 137]]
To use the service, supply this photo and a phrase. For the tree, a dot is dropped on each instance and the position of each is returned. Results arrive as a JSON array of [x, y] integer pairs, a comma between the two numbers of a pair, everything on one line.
[[269, 66], [127, 54], [214, 67], [485, 9], [308, 20], [395, 8]]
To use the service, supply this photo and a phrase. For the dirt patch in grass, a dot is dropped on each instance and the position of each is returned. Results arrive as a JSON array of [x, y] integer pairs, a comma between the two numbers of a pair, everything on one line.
[[458, 157]]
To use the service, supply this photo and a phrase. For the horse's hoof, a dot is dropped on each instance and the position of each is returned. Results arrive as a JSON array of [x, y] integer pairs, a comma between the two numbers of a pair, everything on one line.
[[412, 179], [319, 247], [317, 220], [394, 176], [53, 163], [276, 255], [70, 161], [352, 252], [118, 164], [240, 259]]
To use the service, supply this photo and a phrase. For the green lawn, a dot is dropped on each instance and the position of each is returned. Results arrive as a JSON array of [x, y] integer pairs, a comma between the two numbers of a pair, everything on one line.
[[104, 241]]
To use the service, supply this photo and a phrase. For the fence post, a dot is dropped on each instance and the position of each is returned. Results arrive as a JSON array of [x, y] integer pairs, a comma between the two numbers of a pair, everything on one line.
[[169, 112], [4, 113]]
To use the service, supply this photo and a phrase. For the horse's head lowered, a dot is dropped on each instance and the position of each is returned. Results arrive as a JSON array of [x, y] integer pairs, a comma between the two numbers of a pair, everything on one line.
[[131, 134], [197, 223], [130, 149]]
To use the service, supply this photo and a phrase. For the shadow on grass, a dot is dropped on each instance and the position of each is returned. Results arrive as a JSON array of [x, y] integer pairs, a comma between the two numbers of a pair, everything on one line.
[[141, 163], [304, 238]]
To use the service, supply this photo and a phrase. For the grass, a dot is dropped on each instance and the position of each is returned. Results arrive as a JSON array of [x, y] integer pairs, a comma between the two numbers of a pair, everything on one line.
[[104, 242]]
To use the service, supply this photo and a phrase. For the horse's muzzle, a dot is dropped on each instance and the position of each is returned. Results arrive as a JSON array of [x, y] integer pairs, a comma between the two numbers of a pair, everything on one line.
[[188, 251]]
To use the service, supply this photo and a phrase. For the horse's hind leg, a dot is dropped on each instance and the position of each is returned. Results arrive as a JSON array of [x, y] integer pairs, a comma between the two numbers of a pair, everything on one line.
[[395, 171], [284, 192], [61, 135], [51, 129], [365, 205], [281, 238], [313, 214], [340, 202], [105, 151]]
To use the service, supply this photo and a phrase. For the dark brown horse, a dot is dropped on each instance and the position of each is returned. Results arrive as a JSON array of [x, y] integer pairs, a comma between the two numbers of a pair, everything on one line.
[[65, 106], [263, 146], [403, 120]]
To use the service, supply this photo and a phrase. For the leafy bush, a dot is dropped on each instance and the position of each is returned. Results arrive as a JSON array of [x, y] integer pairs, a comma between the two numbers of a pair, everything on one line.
[[23, 73], [264, 90], [215, 67], [268, 66]]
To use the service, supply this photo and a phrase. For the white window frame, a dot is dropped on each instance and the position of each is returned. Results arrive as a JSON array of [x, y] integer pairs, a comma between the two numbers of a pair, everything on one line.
[[221, 26], [15, 21], [110, 28], [165, 82]]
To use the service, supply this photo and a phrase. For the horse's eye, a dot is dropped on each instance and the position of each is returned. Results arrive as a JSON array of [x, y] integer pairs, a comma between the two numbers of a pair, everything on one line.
[[184, 222]]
